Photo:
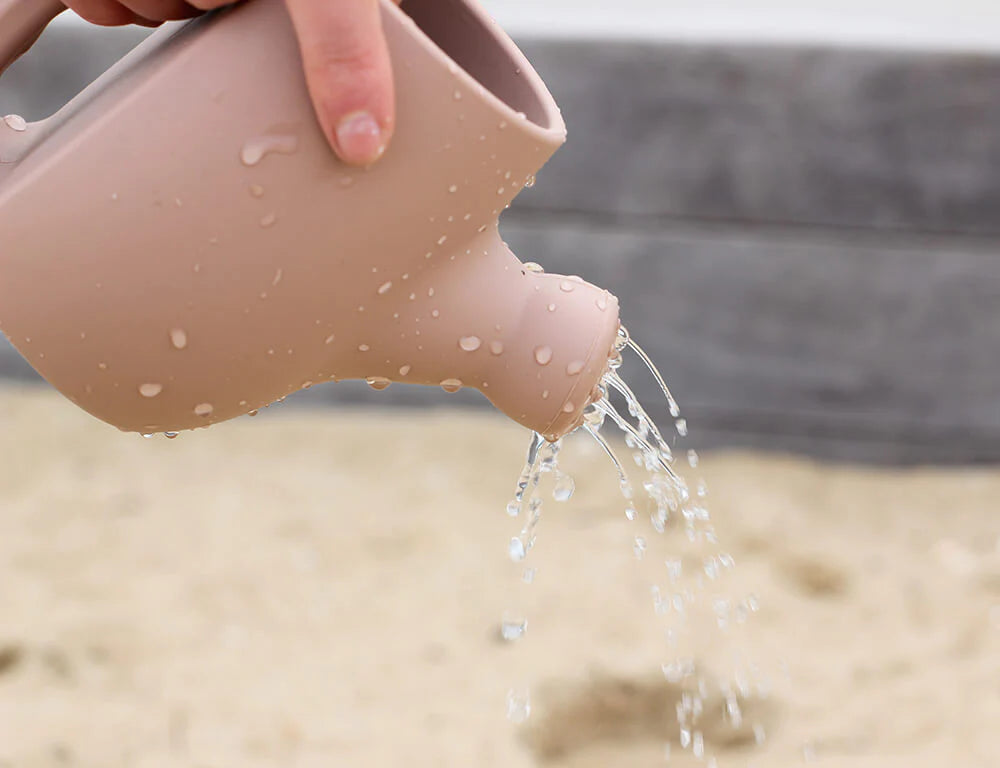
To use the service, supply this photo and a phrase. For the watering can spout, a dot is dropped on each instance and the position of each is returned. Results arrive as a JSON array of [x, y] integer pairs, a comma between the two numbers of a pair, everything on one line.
[[181, 247]]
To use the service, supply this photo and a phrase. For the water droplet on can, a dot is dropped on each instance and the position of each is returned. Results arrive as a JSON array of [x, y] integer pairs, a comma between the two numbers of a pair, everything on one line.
[[178, 338], [268, 220], [150, 389], [496, 347], [378, 382], [256, 190], [170, 435], [384, 288], [451, 385], [543, 355], [453, 188], [531, 266], [204, 409], [470, 343], [574, 367], [569, 407], [16, 123], [403, 370], [363, 347], [256, 149], [566, 286]]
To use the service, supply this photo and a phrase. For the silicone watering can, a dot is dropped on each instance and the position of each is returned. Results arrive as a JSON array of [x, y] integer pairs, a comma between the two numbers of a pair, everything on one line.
[[179, 246]]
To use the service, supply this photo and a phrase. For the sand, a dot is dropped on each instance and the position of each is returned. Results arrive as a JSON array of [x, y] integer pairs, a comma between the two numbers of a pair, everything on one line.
[[325, 588]]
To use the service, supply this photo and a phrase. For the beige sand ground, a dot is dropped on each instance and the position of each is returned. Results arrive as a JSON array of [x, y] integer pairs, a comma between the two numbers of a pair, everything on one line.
[[324, 590]]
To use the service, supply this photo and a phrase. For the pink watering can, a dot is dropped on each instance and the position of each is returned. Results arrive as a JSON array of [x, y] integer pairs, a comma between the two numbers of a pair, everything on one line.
[[179, 246]]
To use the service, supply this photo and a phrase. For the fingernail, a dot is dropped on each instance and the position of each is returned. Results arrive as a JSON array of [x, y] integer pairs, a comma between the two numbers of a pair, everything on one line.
[[359, 138]]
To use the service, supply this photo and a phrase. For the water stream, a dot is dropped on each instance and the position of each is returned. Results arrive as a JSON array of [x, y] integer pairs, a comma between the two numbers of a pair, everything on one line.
[[674, 507]]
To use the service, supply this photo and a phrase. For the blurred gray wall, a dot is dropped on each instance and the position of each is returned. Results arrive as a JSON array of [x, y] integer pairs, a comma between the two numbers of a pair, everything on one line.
[[804, 238]]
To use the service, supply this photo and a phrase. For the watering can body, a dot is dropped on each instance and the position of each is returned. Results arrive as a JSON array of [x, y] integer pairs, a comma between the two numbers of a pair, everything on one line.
[[179, 246]]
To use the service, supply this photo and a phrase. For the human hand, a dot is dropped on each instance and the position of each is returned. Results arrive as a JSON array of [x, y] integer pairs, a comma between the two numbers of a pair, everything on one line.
[[344, 56]]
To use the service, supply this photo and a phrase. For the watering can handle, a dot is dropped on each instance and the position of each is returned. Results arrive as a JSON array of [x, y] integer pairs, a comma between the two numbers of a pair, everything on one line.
[[21, 22]]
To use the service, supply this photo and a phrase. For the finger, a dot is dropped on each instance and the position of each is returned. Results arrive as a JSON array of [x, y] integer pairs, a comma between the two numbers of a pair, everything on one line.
[[349, 74], [161, 10], [105, 13]]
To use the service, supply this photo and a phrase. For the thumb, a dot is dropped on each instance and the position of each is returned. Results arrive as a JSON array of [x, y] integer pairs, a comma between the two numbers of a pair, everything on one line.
[[349, 74]]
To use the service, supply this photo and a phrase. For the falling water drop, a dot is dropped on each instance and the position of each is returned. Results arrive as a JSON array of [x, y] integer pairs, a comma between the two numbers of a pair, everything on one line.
[[512, 629], [451, 385], [639, 547], [150, 389], [178, 338], [515, 550], [543, 355], [518, 706], [204, 409], [564, 488], [682, 427], [470, 343]]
